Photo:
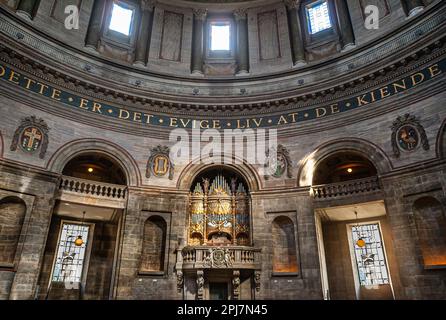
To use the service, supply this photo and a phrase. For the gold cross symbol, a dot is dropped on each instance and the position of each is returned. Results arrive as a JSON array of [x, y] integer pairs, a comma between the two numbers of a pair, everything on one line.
[[32, 135]]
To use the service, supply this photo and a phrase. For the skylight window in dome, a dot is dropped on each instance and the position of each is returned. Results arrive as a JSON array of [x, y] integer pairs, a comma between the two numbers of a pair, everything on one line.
[[220, 36], [121, 19], [318, 17]]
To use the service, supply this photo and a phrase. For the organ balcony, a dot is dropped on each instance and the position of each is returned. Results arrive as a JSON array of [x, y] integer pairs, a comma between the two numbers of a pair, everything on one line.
[[230, 257]]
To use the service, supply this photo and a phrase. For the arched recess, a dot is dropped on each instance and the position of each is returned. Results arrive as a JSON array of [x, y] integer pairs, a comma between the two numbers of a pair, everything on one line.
[[111, 150], [359, 146], [195, 167], [430, 222], [12, 216], [441, 141], [154, 244], [284, 246]]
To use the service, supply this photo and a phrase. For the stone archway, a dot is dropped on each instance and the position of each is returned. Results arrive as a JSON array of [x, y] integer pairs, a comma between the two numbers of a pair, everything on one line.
[[83, 146], [362, 147]]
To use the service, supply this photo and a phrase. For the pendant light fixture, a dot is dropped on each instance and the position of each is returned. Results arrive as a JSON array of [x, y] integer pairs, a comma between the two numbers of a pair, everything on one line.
[[360, 242], [79, 241]]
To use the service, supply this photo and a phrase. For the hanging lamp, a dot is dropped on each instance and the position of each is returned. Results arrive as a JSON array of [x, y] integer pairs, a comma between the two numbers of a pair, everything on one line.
[[79, 241], [360, 242]]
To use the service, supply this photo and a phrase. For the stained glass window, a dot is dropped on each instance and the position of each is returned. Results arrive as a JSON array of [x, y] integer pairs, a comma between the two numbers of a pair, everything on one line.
[[220, 36], [370, 260], [318, 17], [121, 19], [70, 258]]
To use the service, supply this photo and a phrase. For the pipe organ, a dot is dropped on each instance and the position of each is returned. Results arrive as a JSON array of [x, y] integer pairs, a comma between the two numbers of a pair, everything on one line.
[[219, 213]]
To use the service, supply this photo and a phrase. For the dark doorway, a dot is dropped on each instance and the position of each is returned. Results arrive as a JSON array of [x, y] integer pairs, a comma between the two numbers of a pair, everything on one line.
[[218, 291]]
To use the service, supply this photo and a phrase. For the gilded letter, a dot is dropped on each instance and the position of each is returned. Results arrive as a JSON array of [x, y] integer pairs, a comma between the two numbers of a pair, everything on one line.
[[56, 94], [434, 71], [318, 114], [121, 112], [14, 77], [414, 80], [28, 82], [361, 100], [173, 122], [83, 104], [384, 92], [334, 108], [97, 107]]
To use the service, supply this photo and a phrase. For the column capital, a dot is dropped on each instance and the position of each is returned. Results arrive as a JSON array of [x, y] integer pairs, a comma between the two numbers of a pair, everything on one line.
[[200, 14], [240, 14], [292, 4], [147, 5]]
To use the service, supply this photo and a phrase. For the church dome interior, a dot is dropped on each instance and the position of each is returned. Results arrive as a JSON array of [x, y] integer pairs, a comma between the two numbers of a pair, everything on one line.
[[222, 150]]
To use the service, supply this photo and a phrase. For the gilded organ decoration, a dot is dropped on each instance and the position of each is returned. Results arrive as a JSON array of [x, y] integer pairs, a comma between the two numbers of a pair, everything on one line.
[[219, 213]]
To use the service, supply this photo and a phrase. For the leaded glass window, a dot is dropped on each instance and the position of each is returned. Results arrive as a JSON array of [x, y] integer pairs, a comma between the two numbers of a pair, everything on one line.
[[70, 258], [370, 259], [318, 17]]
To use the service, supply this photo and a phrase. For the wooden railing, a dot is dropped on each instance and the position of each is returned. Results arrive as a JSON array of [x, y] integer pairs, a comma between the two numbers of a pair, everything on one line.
[[232, 257], [346, 188], [92, 188]]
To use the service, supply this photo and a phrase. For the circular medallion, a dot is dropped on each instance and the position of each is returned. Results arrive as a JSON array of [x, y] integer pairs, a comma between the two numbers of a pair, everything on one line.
[[407, 138], [30, 139]]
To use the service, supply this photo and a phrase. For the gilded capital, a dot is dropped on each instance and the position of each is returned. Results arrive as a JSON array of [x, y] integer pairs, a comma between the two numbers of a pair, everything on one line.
[[240, 14], [292, 4], [200, 14], [147, 5]]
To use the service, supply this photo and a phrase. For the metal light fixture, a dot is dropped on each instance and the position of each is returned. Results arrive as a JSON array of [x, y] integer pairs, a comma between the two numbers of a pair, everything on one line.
[[349, 170], [360, 242], [90, 169], [79, 241]]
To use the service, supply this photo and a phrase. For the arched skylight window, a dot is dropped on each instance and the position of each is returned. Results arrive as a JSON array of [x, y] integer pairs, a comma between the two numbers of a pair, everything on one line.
[[318, 17], [220, 36], [121, 19]]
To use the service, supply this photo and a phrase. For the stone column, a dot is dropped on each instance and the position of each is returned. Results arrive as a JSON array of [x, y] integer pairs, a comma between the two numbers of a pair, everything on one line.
[[198, 43], [297, 44], [145, 32], [24, 286], [242, 41], [345, 25], [94, 27], [308, 245], [129, 258], [413, 7], [28, 8]]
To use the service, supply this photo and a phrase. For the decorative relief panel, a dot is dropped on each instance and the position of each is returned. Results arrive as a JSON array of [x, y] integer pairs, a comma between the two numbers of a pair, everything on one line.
[[171, 36], [269, 45]]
